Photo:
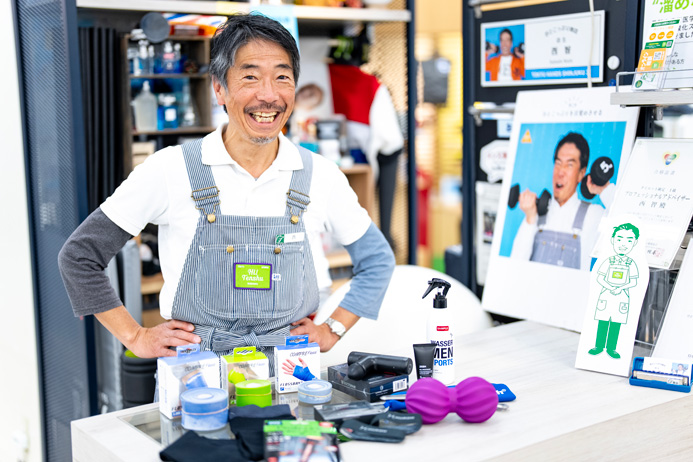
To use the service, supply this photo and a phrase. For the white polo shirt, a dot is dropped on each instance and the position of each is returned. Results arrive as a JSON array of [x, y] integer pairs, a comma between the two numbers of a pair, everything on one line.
[[158, 192]]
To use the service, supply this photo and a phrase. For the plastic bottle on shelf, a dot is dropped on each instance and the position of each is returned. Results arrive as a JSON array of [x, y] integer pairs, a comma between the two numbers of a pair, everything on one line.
[[177, 58], [150, 60], [187, 111], [168, 59], [168, 112], [142, 61], [145, 107]]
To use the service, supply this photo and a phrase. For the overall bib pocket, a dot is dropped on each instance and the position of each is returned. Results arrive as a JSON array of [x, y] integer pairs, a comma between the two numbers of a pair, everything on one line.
[[238, 281]]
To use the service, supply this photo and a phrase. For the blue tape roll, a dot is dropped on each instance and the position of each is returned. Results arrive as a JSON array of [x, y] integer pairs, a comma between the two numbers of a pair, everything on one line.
[[204, 409], [315, 392]]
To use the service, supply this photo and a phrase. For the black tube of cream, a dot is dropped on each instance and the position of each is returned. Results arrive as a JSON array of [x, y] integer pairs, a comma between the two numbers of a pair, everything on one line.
[[423, 355]]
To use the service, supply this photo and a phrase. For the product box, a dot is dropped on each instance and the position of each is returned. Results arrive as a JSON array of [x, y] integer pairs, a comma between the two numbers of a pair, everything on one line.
[[293, 440], [189, 369], [371, 387], [296, 362], [246, 363]]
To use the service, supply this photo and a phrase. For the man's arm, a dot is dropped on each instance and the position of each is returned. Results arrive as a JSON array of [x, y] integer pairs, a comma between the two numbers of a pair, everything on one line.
[[82, 261], [524, 239], [374, 264]]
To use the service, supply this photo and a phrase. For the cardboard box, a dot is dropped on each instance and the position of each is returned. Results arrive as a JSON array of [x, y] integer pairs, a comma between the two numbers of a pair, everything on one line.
[[296, 355], [370, 388], [174, 371]]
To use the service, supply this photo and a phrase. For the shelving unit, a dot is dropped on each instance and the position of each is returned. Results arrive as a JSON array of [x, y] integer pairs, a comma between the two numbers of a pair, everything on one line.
[[309, 13], [198, 49], [652, 98]]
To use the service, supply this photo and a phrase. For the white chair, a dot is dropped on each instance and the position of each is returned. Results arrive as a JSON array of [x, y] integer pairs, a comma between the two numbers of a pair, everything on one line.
[[402, 318]]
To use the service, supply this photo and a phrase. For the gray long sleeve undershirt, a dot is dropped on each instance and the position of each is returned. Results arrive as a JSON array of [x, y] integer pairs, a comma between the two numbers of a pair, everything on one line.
[[82, 261]]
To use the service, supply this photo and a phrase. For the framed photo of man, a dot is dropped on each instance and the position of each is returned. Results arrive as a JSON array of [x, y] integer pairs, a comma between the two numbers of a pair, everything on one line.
[[567, 150]]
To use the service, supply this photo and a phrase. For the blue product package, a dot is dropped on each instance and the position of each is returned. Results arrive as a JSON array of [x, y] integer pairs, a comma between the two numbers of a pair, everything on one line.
[[504, 393], [204, 409]]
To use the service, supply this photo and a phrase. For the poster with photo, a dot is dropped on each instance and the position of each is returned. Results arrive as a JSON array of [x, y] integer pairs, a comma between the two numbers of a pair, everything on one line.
[[542, 51], [549, 211]]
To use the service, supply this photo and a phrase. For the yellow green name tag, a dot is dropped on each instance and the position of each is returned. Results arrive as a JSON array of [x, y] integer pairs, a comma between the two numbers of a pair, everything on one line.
[[617, 275], [252, 276]]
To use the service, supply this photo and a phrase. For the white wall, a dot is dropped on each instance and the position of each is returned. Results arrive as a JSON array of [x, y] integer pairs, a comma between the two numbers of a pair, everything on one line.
[[20, 425]]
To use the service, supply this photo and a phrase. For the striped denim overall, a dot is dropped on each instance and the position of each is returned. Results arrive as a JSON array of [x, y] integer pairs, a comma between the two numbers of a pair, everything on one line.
[[226, 317], [558, 248]]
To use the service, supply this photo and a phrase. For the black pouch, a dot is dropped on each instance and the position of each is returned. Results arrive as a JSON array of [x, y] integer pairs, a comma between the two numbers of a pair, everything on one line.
[[357, 430], [408, 423]]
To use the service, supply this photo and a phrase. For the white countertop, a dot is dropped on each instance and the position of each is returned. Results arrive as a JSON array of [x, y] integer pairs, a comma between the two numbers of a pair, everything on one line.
[[560, 412]]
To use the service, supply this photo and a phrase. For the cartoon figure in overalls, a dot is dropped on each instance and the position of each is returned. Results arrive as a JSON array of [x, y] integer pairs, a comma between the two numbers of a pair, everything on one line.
[[616, 275]]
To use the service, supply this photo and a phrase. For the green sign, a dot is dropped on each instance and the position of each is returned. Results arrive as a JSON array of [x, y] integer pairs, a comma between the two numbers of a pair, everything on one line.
[[252, 276]]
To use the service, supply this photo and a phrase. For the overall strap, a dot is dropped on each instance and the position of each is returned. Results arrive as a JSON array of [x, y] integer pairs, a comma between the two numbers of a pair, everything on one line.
[[204, 191], [541, 221], [297, 198], [579, 220]]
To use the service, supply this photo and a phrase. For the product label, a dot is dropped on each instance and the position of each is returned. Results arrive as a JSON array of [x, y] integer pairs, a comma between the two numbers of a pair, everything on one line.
[[170, 114], [444, 353], [442, 328]]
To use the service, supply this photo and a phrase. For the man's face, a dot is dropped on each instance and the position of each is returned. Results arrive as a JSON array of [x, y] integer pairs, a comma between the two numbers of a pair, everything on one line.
[[506, 43], [567, 173], [260, 94], [623, 241]]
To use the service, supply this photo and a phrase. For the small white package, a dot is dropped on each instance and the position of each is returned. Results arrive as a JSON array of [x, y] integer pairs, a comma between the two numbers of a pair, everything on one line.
[[296, 362], [189, 369]]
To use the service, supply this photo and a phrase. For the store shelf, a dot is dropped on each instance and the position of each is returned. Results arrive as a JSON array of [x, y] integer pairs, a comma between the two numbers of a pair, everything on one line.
[[168, 76], [152, 284], [226, 8], [652, 98], [178, 131]]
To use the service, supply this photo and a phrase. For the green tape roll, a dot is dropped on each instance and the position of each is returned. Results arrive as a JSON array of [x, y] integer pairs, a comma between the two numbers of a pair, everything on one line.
[[258, 392]]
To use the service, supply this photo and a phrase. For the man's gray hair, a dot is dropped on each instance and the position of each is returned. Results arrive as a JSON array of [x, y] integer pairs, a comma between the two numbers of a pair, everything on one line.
[[241, 29]]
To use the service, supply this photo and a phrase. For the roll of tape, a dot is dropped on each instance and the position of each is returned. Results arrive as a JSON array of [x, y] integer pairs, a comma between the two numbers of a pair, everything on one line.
[[258, 392], [204, 409], [315, 392]]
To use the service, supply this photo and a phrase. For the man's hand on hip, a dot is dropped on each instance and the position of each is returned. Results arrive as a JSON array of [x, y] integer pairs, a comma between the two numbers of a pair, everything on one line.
[[147, 342], [155, 341], [318, 333]]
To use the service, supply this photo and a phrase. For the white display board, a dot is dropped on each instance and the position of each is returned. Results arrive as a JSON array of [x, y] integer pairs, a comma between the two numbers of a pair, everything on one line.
[[657, 189], [618, 282], [541, 51], [518, 283]]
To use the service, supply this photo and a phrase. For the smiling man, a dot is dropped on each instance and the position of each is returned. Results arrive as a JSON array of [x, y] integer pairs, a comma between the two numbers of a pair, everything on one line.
[[240, 215], [505, 66], [566, 235]]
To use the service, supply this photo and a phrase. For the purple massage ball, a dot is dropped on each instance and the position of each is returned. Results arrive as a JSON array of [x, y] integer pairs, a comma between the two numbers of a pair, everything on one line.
[[430, 398], [475, 400]]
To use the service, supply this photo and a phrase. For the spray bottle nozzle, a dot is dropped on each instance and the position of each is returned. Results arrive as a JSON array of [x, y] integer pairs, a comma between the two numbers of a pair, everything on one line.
[[440, 300]]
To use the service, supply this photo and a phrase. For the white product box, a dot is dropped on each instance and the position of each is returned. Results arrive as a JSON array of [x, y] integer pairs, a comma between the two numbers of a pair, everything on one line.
[[190, 367], [294, 358]]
